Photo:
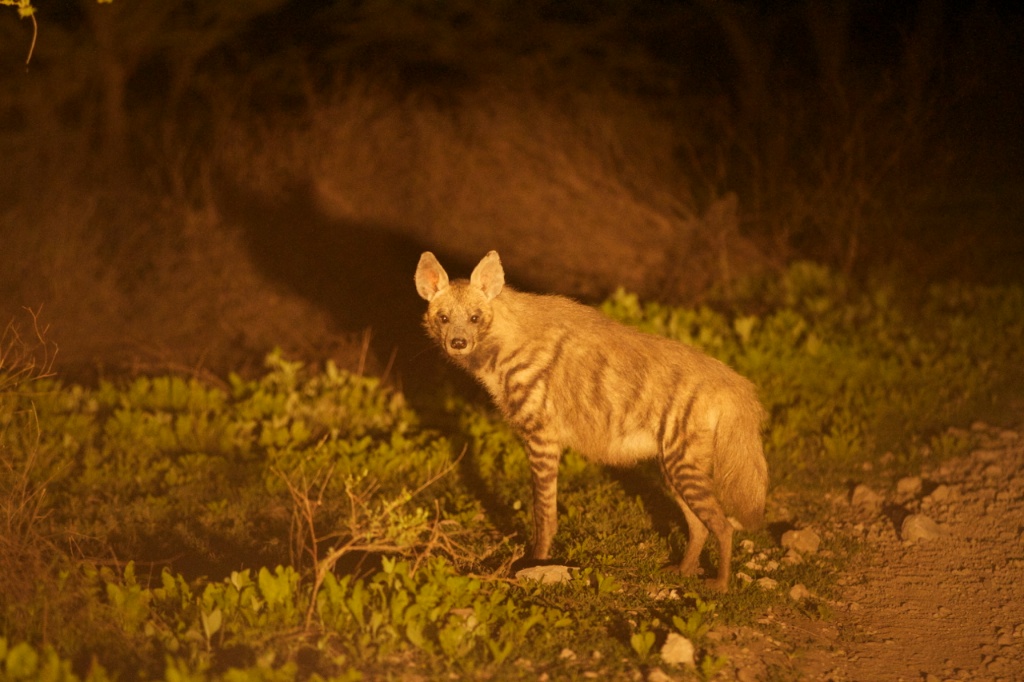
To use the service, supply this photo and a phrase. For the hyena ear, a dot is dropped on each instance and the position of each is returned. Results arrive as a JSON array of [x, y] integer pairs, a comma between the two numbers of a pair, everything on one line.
[[488, 275], [431, 279]]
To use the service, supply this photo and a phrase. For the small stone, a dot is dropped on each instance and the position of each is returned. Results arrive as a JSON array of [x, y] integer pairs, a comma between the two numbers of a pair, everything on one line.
[[567, 655], [865, 498], [743, 577], [767, 584], [658, 675], [798, 592], [663, 594], [545, 574], [783, 514], [805, 541], [986, 455], [920, 527], [908, 486], [677, 650], [747, 546], [940, 494]]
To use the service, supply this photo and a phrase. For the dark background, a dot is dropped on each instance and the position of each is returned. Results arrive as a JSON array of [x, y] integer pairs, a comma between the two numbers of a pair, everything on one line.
[[188, 184]]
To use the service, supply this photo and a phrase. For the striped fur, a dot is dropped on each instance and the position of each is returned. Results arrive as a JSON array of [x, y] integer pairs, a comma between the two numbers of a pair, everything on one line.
[[566, 376]]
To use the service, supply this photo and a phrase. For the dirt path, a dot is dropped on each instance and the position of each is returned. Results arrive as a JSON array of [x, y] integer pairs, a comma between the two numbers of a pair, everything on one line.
[[949, 607]]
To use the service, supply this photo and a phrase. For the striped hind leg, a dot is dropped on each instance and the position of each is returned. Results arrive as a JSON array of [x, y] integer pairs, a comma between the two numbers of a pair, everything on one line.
[[694, 492]]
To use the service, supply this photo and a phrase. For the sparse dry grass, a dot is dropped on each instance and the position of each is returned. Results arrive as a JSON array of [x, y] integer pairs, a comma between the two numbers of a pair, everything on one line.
[[561, 138], [29, 548], [152, 286], [578, 191]]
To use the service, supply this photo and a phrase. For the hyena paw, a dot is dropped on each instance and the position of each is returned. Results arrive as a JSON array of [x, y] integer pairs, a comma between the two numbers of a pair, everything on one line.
[[719, 585], [681, 569]]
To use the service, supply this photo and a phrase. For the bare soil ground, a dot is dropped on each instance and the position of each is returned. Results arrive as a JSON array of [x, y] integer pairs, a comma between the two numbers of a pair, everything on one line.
[[949, 607]]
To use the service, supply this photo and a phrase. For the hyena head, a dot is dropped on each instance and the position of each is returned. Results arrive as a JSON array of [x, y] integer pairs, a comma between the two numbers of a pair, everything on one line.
[[459, 312]]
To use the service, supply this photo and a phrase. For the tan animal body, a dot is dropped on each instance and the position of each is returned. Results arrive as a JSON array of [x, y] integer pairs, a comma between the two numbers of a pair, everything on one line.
[[566, 376]]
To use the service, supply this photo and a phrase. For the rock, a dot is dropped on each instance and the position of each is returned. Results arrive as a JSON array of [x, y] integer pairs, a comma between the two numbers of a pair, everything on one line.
[[545, 574], [864, 497], [748, 675], [993, 471], [908, 486], [986, 455], [920, 527], [658, 675], [805, 541], [767, 584], [567, 655], [663, 594], [799, 592], [677, 650], [940, 494]]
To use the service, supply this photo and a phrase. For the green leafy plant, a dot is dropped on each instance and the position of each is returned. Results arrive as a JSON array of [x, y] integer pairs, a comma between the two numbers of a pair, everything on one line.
[[304, 522], [642, 642], [698, 621]]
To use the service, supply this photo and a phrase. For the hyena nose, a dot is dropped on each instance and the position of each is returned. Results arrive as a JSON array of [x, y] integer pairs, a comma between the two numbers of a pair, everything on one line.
[[458, 343]]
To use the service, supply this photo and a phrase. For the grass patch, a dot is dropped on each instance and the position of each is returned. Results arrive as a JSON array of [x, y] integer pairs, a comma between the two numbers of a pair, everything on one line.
[[306, 524]]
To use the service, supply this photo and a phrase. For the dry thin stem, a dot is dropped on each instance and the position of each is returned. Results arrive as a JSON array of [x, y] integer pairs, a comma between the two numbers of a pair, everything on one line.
[[24, 359], [360, 534], [364, 350]]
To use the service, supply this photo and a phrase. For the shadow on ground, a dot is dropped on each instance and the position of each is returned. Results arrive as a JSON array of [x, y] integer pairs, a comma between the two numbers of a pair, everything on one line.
[[361, 274]]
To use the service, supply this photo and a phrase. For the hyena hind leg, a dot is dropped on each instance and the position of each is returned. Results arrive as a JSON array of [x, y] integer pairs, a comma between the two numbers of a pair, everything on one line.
[[693, 492], [697, 534]]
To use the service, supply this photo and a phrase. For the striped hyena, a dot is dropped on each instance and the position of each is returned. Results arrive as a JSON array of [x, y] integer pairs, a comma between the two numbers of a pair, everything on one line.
[[566, 376]]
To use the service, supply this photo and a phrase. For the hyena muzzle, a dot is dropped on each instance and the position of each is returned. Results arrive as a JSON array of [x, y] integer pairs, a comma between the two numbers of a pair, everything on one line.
[[565, 376]]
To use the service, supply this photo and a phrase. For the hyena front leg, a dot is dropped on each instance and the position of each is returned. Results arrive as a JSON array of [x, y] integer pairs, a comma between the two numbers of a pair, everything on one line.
[[694, 491], [544, 459]]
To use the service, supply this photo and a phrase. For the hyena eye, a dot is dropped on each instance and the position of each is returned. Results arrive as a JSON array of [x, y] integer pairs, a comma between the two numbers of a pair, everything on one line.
[[474, 318], [443, 318]]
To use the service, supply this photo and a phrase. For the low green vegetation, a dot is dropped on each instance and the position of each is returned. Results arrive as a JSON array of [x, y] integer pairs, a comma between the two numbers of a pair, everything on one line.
[[307, 525]]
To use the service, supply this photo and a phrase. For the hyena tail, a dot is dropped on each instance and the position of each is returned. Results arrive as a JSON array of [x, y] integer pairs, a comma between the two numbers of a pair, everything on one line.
[[740, 469]]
